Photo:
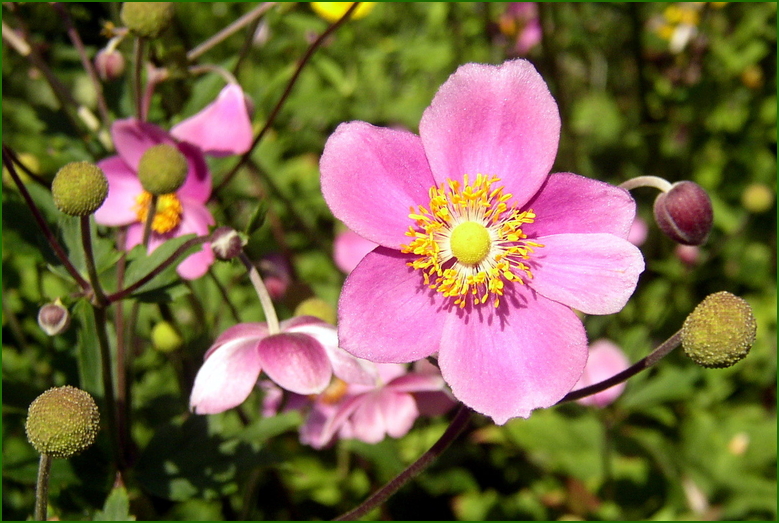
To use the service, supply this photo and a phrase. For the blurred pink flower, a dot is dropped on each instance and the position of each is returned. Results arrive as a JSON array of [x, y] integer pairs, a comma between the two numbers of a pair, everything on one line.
[[302, 358], [496, 252], [606, 359], [349, 249], [275, 272], [520, 21], [688, 254], [638, 232]]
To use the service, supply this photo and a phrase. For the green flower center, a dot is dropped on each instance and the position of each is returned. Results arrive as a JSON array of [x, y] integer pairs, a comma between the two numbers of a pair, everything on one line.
[[470, 243]]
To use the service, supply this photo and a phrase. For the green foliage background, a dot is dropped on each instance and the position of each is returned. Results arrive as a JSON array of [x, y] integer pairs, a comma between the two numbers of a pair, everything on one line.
[[681, 443]]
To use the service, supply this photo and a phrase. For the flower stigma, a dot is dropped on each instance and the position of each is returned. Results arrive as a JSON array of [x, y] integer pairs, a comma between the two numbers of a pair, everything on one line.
[[470, 241], [168, 214]]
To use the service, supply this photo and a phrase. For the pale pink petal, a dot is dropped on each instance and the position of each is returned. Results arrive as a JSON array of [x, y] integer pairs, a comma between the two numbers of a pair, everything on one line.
[[195, 219], [386, 314], [505, 363], [605, 360], [318, 431], [221, 128], [434, 403], [349, 249], [399, 412], [371, 176], [240, 331], [197, 186], [571, 203], [226, 377], [336, 417], [123, 189], [529, 37], [638, 232], [415, 382], [593, 273], [296, 362], [493, 120], [367, 421], [134, 236], [132, 137]]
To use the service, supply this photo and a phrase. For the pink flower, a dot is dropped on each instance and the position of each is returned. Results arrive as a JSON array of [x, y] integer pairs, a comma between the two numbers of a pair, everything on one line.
[[302, 358], [349, 249], [520, 21], [495, 252], [606, 359], [638, 232]]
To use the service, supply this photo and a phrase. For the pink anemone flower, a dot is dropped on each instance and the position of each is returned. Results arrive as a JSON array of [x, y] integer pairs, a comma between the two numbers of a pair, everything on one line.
[[606, 359], [482, 253], [184, 211], [302, 358]]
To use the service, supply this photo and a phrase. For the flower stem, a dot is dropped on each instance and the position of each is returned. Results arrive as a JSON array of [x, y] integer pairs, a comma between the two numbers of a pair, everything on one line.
[[262, 293], [228, 31], [149, 220], [272, 117], [647, 181], [656, 355], [42, 488], [101, 321], [136, 79], [459, 422], [89, 258]]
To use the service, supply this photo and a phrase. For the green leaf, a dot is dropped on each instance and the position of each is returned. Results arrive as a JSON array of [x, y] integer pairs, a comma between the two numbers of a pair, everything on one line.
[[116, 508], [140, 265], [89, 366]]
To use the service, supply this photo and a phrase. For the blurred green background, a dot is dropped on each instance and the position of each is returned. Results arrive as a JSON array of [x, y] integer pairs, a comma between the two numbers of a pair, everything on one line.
[[681, 92]]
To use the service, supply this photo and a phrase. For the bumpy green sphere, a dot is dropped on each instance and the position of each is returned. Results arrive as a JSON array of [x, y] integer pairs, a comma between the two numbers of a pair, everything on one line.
[[62, 422], [147, 19], [162, 169], [720, 331], [79, 188]]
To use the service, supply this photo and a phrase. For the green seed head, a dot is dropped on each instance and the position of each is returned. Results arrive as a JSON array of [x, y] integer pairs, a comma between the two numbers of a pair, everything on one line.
[[79, 188], [720, 331], [147, 19], [62, 422], [162, 169]]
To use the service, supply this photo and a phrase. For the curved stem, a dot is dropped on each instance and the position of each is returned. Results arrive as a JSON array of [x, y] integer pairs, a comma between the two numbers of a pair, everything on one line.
[[42, 488], [228, 31], [136, 79], [457, 425], [656, 355], [89, 258], [272, 117], [647, 181], [262, 293]]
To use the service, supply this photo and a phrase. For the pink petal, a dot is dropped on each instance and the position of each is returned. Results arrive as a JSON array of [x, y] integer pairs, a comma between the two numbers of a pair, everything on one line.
[[226, 377], [525, 356], [197, 186], [399, 412], [381, 413], [133, 137], [638, 232], [386, 314], [414, 382], [336, 418], [593, 273], [371, 176], [572, 203], [434, 403], [349, 249], [123, 189], [195, 219], [241, 331], [134, 235], [318, 431], [221, 128], [494, 120], [296, 362], [605, 360]]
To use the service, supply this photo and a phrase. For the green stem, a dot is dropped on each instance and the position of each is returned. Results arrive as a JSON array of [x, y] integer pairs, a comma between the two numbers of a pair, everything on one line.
[[86, 239], [42, 488], [136, 78], [262, 293], [149, 220], [101, 321], [658, 183]]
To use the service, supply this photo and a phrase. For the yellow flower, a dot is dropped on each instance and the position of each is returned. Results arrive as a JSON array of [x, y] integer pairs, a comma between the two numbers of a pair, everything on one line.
[[333, 11]]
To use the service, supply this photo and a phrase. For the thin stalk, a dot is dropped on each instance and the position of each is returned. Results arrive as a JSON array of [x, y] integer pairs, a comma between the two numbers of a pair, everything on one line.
[[656, 355], [42, 488], [42, 225], [149, 220], [101, 321], [136, 78], [89, 258], [225, 296], [262, 293], [459, 422], [272, 117], [658, 183], [228, 31]]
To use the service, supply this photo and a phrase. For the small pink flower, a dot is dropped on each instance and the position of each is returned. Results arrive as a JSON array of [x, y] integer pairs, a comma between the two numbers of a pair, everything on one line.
[[302, 358], [520, 21], [605, 360], [496, 252], [349, 249], [638, 232], [275, 274]]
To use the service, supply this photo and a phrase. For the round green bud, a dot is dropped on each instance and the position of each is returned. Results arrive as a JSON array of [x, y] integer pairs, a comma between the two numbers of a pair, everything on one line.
[[720, 331], [147, 19], [79, 188], [165, 337], [62, 422], [318, 308], [162, 169]]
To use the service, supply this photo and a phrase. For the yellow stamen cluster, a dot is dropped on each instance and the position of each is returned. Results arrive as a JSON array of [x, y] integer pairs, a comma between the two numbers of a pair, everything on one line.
[[167, 216], [334, 392], [472, 277]]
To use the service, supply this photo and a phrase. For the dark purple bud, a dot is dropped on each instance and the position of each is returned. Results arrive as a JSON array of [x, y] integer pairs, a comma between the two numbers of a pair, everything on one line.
[[684, 213], [226, 243]]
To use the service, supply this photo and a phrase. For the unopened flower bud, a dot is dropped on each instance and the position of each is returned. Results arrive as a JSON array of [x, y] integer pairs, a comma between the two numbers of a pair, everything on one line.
[[162, 169], [79, 188], [147, 19], [53, 318], [109, 64], [720, 331], [684, 213], [318, 308], [226, 243], [62, 422], [165, 337]]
